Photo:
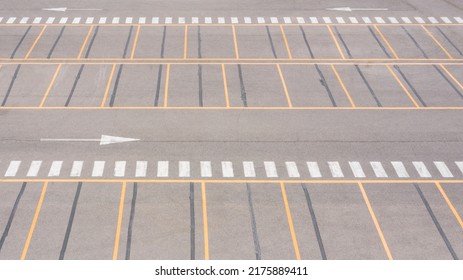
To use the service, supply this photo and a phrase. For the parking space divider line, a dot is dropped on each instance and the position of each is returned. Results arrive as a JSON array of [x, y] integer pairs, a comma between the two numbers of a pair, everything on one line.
[[34, 221], [290, 56], [403, 87], [119, 220], [166, 88], [35, 42], [436, 41], [225, 86], [135, 41], [108, 86], [85, 42], [235, 42], [451, 76], [50, 86], [288, 99], [343, 86], [375, 221], [335, 41], [206, 231], [12, 214], [449, 203], [290, 221], [386, 41], [185, 42]]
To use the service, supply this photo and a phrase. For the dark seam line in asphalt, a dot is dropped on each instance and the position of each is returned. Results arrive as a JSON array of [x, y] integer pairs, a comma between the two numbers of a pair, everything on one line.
[[271, 42], [132, 216], [74, 85], [56, 41], [13, 212], [368, 86], [436, 222], [448, 39], [192, 221], [11, 84], [90, 45], [325, 84], [70, 222], [116, 84], [379, 42], [158, 85], [414, 41], [20, 42], [410, 85], [253, 224], [243, 89], [448, 81], [314, 222], [200, 70], [306, 42], [343, 42], [128, 41]]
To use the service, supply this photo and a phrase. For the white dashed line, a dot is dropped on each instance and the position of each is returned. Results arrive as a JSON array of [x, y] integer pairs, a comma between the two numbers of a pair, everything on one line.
[[443, 169], [357, 169], [183, 169], [63, 20], [422, 169], [37, 20], [13, 168], [378, 169], [270, 169], [335, 169], [206, 169], [55, 169], [291, 167], [227, 169], [119, 169], [98, 168], [314, 170], [34, 168], [76, 169], [249, 171], [399, 168], [140, 169], [163, 169]]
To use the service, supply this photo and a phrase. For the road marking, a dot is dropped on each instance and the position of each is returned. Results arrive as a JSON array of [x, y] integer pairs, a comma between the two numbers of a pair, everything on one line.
[[34, 168], [76, 20], [13, 168], [366, 20], [300, 20], [76, 169], [50, 20], [85, 42], [270, 169], [168, 20], [108, 86], [451, 76], [183, 169], [207, 20], [34, 221], [116, 20], [335, 169], [403, 87], [287, 20], [55, 169], [35, 42], [140, 169], [194, 20], [11, 20], [89, 20], [50, 86], [393, 20], [249, 171], [290, 221], [206, 169], [247, 20], [375, 221], [291, 167], [313, 20], [419, 20], [63, 20], [443, 169], [181, 20], [24, 20], [1, 19], [406, 20], [449, 203], [386, 41], [353, 20], [340, 20], [185, 42], [235, 42], [166, 88], [446, 20], [459, 19], [335, 42], [142, 20], [433, 20], [98, 168], [37, 20], [437, 42], [260, 20], [221, 20], [460, 165], [343, 86], [119, 169], [155, 20], [119, 221], [163, 169], [225, 86], [135, 41], [227, 169], [102, 20], [234, 20], [128, 20], [327, 20], [288, 99], [290, 56], [379, 20], [400, 169], [313, 169], [205, 228], [357, 169], [378, 169], [421, 169], [274, 20]]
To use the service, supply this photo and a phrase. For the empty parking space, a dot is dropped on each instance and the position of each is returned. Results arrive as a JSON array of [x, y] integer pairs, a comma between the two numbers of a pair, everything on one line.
[[18, 42], [210, 42], [451, 38], [261, 42], [361, 42], [110, 42]]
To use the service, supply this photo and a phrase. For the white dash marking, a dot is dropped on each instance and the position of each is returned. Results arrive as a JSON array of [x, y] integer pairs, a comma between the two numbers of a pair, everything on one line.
[[300, 20], [287, 20], [98, 168], [1, 19], [249, 171], [55, 169], [433, 20], [76, 169], [406, 20], [34, 168], [459, 19], [116, 20], [11, 20], [335, 169], [443, 169], [24, 20], [206, 169], [400, 169], [378, 169], [357, 169], [76, 20], [119, 169], [13, 168], [50, 20], [247, 20], [168, 20], [460, 165], [274, 20], [102, 20], [208, 20], [155, 20], [421, 169], [366, 19], [270, 169], [194, 20], [260, 20], [142, 20], [446, 20], [379, 20], [89, 20], [234, 20], [393, 20], [340, 20], [227, 169], [353, 20], [63, 20], [313, 20], [314, 170], [163, 169], [37, 20], [291, 167], [221, 20], [327, 20], [140, 169], [183, 169], [419, 20], [128, 20]]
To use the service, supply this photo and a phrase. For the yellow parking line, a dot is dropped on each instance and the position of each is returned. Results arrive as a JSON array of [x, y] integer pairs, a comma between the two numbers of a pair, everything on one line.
[[237, 55], [234, 108], [135, 41], [119, 221], [185, 42], [290, 56], [225, 86], [85, 42], [375, 221], [206, 230], [336, 42], [34, 221], [403, 87], [288, 99], [437, 42], [449, 203], [451, 76], [386, 41], [242, 24], [290, 221], [343, 86], [35, 43], [108, 86], [50, 86], [166, 88]]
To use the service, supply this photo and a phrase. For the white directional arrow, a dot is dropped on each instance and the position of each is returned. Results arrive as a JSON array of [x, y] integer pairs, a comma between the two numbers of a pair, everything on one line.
[[104, 140], [66, 9], [349, 9]]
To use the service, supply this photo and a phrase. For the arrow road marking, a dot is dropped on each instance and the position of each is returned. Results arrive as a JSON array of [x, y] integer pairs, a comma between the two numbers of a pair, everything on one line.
[[349, 9], [104, 140], [63, 9]]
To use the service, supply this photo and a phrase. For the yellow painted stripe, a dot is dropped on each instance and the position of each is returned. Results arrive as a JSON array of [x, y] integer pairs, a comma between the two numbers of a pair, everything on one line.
[[242, 24], [336, 42], [375, 221], [290, 222], [85, 42], [449, 203], [34, 221], [451, 76], [50, 86], [437, 42], [343, 86], [225, 86], [235, 42], [403, 87], [108, 86], [166, 88], [35, 43], [185, 42], [206, 228], [135, 41], [290, 56], [119, 221], [387, 42], [288, 99]]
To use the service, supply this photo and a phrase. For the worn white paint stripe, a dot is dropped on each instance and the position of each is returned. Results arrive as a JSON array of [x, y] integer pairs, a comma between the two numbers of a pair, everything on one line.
[[335, 169], [247, 20], [459, 19], [76, 20], [313, 20], [274, 20], [55, 168], [168, 20], [50, 20], [234, 20], [208, 20], [102, 20], [393, 20], [327, 20], [155, 20], [98, 168], [460, 165], [116, 20], [194, 20], [128, 20], [357, 169], [291, 167], [11, 20], [340, 20], [24, 20], [37, 20], [446, 20], [300, 20], [379, 20], [433, 20], [221, 20], [206, 169], [366, 19], [119, 169], [378, 169], [287, 20], [353, 20], [419, 20], [314, 170], [227, 169], [248, 167], [443, 169], [406, 20], [422, 169], [184, 169], [400, 169], [1, 19], [163, 169], [63, 20], [76, 169], [89, 20], [34, 168], [140, 169], [260, 20], [270, 169], [142, 20], [13, 168]]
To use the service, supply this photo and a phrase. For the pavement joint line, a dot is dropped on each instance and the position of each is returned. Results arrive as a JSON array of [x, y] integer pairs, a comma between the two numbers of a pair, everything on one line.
[[90, 29]]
